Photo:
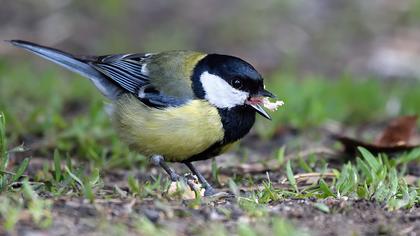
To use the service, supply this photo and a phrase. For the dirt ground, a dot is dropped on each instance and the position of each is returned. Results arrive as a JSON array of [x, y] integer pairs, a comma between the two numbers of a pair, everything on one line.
[[113, 213], [74, 216]]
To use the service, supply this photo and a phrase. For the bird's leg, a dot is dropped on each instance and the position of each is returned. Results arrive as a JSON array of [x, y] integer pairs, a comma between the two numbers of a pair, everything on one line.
[[208, 189], [158, 160]]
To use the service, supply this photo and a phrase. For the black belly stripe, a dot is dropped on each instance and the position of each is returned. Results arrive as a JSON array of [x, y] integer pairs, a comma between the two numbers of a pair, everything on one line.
[[236, 122]]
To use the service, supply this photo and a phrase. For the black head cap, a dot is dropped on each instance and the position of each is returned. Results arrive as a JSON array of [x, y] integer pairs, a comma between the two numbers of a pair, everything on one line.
[[235, 71]]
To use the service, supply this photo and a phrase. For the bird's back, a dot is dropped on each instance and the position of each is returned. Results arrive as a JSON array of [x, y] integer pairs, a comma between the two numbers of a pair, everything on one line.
[[171, 71]]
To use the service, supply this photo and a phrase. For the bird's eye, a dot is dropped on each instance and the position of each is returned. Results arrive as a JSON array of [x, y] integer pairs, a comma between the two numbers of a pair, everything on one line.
[[236, 83]]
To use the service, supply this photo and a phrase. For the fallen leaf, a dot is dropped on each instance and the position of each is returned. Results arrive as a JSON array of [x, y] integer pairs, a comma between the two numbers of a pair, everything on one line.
[[398, 132], [396, 137], [351, 144]]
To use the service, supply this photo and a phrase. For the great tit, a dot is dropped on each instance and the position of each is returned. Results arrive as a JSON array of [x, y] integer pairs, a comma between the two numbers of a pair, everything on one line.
[[175, 106]]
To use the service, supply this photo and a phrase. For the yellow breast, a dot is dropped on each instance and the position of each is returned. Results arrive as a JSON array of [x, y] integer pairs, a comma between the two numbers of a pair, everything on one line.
[[176, 133]]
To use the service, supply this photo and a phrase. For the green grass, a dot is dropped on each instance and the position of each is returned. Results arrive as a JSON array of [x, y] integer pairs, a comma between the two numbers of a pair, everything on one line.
[[377, 178], [8, 178], [13, 202]]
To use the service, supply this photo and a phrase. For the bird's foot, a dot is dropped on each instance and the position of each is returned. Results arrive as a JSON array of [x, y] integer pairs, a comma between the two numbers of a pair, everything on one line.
[[174, 177], [209, 191]]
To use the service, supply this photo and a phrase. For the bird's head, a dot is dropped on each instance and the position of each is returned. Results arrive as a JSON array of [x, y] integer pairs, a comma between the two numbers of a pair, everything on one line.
[[228, 82]]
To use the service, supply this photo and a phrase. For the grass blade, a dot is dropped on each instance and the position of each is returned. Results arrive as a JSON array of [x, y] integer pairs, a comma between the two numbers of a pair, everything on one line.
[[370, 159], [322, 207], [325, 188], [74, 177], [2, 132], [291, 177], [3, 143], [280, 155], [57, 166], [22, 167]]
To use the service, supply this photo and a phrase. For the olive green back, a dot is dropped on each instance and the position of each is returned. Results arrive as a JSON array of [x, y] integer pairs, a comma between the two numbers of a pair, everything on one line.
[[170, 72]]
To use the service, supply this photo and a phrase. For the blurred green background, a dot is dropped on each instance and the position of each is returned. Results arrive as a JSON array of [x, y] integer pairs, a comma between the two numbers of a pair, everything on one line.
[[317, 36], [349, 61]]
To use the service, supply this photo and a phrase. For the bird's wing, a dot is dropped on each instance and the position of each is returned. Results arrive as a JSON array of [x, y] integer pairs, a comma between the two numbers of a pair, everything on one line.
[[130, 72], [115, 74], [123, 69], [158, 80]]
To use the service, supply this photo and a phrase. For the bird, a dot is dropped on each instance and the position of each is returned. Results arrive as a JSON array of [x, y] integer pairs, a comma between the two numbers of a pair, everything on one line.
[[172, 106]]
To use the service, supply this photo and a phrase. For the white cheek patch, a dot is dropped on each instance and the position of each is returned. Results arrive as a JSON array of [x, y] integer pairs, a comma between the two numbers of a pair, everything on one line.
[[220, 93]]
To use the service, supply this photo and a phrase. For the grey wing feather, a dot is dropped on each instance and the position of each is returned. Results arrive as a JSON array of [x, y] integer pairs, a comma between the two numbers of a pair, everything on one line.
[[124, 71], [113, 75], [74, 64], [127, 71]]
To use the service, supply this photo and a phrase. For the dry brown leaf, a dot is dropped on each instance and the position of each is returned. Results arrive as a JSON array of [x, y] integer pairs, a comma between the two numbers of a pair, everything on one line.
[[398, 132], [351, 144], [396, 137]]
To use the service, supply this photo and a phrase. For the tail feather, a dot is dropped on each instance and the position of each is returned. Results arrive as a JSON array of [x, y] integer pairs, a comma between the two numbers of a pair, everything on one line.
[[70, 62]]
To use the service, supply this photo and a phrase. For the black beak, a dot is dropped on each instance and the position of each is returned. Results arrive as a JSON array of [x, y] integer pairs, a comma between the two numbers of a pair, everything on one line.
[[265, 93], [261, 111], [258, 108]]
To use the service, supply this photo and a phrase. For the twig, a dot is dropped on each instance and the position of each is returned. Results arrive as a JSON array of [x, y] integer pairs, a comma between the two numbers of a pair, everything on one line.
[[306, 176], [274, 165]]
